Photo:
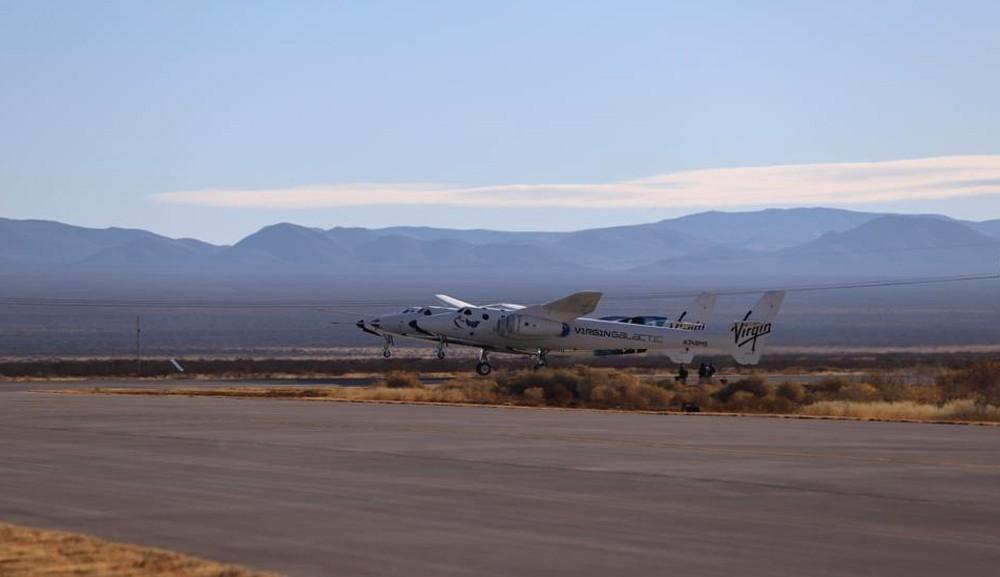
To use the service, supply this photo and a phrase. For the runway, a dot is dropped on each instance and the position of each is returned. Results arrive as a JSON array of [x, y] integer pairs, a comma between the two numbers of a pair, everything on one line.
[[327, 489]]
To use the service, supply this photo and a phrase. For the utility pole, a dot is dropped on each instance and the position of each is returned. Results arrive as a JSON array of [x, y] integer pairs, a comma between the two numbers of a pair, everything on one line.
[[138, 346]]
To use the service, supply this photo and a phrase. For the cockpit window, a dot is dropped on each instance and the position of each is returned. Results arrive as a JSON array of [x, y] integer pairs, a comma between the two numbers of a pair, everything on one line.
[[427, 312], [466, 312]]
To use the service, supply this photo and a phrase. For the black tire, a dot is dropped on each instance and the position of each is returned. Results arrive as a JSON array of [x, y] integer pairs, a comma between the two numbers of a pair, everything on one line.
[[440, 355], [386, 354], [483, 369]]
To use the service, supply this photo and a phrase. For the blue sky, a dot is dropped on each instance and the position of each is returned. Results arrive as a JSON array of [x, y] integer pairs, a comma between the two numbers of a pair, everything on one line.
[[504, 115]]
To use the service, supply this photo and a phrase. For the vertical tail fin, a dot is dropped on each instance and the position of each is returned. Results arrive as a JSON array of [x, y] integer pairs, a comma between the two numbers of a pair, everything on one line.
[[696, 314], [750, 334]]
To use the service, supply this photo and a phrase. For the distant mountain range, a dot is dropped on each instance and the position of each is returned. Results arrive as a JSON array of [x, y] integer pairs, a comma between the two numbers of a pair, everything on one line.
[[806, 241]]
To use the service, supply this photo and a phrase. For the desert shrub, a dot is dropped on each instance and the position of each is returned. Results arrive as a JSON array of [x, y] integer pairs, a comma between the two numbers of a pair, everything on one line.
[[740, 401], [476, 390], [616, 380], [564, 386], [979, 381], [605, 396], [559, 386], [402, 380], [792, 392], [533, 396], [690, 397], [753, 385], [630, 395], [928, 395], [827, 388], [646, 397], [668, 384], [858, 392], [778, 404], [618, 389]]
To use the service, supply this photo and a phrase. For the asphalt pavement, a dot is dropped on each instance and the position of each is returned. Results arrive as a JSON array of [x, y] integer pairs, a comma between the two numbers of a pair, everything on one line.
[[326, 488]]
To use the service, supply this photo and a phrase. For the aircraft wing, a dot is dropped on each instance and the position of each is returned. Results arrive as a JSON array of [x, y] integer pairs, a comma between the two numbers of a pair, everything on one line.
[[567, 308], [453, 302]]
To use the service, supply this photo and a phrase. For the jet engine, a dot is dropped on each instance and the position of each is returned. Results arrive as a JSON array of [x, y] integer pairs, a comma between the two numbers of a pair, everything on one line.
[[515, 325]]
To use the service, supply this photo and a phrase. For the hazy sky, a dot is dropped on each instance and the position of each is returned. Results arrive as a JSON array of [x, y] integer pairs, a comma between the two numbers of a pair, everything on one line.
[[211, 119]]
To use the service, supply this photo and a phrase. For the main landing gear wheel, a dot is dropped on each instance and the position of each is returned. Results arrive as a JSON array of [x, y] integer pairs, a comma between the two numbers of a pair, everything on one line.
[[440, 355], [483, 366], [440, 350], [387, 347], [541, 360], [386, 353]]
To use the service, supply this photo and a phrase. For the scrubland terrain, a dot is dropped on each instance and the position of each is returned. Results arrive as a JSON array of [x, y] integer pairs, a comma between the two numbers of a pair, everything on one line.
[[923, 364], [967, 393]]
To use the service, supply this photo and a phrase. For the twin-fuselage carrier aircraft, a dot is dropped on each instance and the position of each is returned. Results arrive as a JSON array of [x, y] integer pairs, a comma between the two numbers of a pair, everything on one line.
[[562, 325]]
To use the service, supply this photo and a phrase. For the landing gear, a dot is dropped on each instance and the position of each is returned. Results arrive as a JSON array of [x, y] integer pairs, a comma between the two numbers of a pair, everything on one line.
[[440, 349], [387, 346], [483, 367], [682, 374], [541, 359]]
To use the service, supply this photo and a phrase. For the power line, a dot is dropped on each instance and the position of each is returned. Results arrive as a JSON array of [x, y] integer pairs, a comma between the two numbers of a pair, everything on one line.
[[369, 303], [819, 287]]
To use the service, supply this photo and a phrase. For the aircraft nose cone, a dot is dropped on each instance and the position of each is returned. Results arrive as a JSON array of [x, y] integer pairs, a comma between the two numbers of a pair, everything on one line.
[[367, 327]]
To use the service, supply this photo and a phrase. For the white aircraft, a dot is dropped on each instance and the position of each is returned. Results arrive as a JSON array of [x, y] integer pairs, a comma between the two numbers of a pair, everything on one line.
[[562, 325], [404, 324]]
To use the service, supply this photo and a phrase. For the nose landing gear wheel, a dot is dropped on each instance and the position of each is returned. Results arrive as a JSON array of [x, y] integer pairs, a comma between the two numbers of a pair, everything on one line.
[[386, 353], [440, 355]]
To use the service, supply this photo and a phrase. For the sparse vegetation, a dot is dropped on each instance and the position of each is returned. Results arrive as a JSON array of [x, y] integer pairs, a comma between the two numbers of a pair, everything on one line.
[[959, 394], [792, 392], [964, 410], [979, 381], [402, 380], [28, 552], [877, 365]]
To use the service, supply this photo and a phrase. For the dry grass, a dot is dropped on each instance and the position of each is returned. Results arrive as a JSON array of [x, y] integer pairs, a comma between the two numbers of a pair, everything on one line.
[[402, 380], [958, 411], [885, 398], [27, 552], [452, 392]]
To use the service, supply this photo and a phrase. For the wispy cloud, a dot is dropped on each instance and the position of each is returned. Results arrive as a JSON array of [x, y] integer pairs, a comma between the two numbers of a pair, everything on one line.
[[795, 184]]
